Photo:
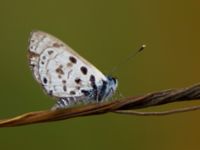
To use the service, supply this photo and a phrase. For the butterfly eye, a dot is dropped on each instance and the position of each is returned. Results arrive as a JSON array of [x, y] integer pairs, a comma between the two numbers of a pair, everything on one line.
[[111, 79], [114, 80]]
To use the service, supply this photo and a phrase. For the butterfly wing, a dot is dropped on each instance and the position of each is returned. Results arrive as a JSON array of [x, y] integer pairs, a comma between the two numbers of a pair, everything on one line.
[[60, 70]]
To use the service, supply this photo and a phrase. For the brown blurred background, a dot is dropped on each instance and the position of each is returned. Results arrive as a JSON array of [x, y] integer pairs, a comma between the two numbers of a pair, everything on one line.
[[104, 32]]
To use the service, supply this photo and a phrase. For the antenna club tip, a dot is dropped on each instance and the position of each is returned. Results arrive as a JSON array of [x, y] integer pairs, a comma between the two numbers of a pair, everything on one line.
[[143, 46]]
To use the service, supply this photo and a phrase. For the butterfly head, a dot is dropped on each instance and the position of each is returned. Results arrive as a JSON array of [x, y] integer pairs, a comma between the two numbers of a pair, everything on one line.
[[111, 86], [113, 82]]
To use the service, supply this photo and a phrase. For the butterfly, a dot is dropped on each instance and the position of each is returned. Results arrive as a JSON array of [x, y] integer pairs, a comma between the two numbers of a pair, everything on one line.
[[65, 75]]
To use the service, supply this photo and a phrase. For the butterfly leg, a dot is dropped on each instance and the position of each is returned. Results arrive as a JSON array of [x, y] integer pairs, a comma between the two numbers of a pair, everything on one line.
[[120, 94], [64, 103]]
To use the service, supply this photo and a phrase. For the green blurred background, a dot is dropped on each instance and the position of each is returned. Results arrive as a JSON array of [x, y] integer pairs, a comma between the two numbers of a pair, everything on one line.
[[104, 32]]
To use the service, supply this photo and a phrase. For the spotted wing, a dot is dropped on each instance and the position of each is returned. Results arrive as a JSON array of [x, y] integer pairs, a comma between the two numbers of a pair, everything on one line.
[[60, 70]]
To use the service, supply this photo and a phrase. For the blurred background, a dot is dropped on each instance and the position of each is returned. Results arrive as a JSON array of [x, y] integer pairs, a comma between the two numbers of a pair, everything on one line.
[[105, 33]]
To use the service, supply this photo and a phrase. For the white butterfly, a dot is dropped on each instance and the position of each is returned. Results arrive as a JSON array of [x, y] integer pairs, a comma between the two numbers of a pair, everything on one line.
[[64, 74]]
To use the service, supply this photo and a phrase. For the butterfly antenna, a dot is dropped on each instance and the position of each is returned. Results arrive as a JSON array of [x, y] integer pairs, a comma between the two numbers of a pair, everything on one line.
[[132, 55]]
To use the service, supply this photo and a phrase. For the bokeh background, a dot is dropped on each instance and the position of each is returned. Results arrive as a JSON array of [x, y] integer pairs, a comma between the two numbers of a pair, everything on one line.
[[105, 33]]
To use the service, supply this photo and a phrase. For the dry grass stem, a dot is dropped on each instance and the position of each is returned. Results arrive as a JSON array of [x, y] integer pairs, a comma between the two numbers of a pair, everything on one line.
[[123, 106]]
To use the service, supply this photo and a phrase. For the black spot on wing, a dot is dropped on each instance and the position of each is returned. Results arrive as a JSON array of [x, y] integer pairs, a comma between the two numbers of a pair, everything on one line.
[[72, 59], [57, 45], [50, 52], [72, 92], [45, 80], [94, 86], [92, 78], [64, 81], [59, 70], [32, 65], [78, 80], [64, 88], [78, 87], [84, 70], [69, 64], [85, 92], [43, 57]]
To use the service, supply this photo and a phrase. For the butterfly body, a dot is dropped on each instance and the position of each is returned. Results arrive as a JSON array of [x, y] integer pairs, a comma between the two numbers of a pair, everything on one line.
[[64, 74]]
